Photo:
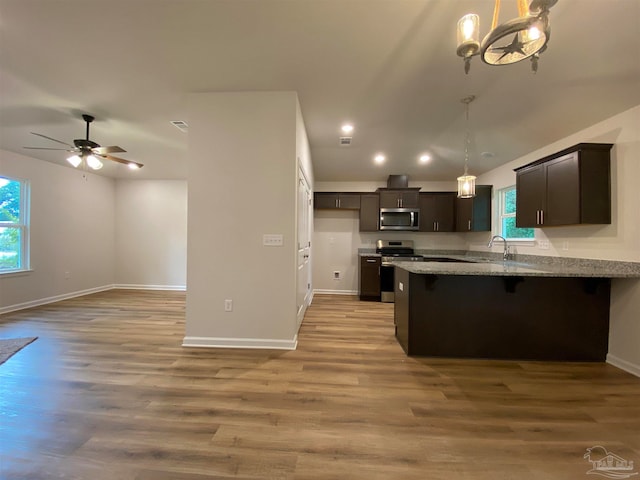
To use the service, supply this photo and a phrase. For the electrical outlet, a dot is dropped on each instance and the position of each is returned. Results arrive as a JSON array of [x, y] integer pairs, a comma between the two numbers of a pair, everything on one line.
[[543, 244], [67, 275], [228, 305], [336, 275]]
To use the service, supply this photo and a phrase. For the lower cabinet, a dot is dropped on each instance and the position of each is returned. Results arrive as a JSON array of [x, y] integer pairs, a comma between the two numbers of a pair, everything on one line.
[[516, 318], [369, 278]]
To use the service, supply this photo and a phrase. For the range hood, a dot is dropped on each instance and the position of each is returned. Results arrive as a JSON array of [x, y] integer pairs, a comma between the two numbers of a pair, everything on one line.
[[398, 181]]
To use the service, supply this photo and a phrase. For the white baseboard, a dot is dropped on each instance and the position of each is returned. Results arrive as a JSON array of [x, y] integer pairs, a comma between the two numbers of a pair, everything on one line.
[[65, 296], [321, 291], [132, 286], [632, 368], [253, 343], [56, 298]]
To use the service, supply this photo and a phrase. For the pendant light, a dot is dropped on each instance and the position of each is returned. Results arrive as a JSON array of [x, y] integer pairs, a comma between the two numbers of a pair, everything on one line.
[[466, 182], [513, 41]]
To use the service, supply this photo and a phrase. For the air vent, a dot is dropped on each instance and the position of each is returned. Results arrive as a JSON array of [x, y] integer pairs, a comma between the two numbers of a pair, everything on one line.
[[180, 125], [345, 141]]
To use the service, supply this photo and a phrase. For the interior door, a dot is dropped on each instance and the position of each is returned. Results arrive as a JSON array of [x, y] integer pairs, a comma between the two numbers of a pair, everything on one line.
[[305, 211]]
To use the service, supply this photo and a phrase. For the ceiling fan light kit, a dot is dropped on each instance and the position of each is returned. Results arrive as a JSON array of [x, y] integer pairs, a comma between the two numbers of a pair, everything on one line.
[[89, 153], [513, 41]]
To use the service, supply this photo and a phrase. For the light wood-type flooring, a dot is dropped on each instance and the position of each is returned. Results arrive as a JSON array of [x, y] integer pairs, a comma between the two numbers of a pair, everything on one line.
[[108, 392]]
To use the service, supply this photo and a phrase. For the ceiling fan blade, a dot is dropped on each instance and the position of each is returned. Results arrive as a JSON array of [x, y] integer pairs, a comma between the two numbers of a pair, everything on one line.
[[122, 160], [105, 150], [52, 139], [46, 148]]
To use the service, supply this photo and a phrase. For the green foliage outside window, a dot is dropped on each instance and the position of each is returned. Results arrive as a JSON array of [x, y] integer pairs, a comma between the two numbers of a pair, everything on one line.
[[508, 217], [11, 226]]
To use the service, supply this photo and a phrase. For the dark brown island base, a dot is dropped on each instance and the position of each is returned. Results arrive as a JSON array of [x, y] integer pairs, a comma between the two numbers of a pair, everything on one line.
[[501, 310]]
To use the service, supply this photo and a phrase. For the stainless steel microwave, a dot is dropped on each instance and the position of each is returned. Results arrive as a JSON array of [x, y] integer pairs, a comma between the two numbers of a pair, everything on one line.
[[399, 219]]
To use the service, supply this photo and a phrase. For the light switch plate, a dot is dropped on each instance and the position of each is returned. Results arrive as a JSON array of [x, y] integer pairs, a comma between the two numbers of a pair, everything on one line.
[[272, 240]]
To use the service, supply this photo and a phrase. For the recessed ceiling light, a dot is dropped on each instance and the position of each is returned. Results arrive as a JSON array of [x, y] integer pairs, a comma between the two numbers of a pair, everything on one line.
[[347, 128], [379, 158], [424, 158]]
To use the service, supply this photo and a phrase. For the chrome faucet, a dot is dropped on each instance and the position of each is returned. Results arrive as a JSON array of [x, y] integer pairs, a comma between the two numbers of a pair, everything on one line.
[[505, 254]]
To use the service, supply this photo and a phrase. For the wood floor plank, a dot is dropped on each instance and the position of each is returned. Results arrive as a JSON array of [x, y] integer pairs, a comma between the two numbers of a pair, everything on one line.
[[108, 392]]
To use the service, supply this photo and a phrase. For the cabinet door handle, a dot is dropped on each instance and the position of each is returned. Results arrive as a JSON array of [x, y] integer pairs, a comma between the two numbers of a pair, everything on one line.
[[541, 217], [435, 226], [371, 260], [537, 217], [469, 224]]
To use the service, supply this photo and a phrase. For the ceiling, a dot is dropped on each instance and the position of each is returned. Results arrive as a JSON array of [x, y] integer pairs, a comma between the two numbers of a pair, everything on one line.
[[389, 67]]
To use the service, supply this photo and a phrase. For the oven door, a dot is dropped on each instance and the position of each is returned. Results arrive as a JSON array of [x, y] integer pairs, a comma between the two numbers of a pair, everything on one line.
[[387, 282]]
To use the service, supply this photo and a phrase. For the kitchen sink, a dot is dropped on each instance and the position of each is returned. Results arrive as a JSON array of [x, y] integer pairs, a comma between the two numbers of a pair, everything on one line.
[[447, 259]]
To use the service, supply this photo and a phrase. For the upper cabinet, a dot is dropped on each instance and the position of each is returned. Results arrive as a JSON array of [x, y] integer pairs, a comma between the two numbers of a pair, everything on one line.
[[474, 214], [437, 212], [369, 212], [402, 198], [570, 187], [333, 200]]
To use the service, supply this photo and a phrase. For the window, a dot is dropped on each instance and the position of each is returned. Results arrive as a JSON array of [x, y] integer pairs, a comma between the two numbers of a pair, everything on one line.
[[507, 212], [14, 225]]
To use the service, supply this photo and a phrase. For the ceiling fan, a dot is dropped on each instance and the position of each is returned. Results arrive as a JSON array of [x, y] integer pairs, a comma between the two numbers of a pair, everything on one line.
[[87, 151]]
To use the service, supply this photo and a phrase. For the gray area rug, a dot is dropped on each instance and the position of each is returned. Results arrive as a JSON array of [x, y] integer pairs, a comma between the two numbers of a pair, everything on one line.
[[10, 346]]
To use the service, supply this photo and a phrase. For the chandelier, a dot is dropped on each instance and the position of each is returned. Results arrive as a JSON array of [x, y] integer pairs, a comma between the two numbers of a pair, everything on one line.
[[517, 39], [467, 183]]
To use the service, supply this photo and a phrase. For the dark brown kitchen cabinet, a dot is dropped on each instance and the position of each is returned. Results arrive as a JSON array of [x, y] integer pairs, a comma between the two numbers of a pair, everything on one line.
[[404, 198], [474, 214], [437, 212], [370, 278], [334, 200], [369, 212], [570, 187]]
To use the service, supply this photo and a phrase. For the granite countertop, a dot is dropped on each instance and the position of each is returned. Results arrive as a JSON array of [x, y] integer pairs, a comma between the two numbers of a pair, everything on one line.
[[488, 263], [491, 267]]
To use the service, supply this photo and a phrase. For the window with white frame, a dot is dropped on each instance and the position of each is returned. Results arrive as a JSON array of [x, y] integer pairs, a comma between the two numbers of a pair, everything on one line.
[[507, 213], [14, 225]]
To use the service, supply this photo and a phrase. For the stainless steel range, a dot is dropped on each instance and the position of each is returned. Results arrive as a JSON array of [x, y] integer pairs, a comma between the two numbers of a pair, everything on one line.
[[390, 251]]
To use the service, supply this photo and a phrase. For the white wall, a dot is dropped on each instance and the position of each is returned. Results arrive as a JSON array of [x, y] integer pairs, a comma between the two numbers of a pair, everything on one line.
[[151, 233], [72, 233], [336, 237], [621, 239], [242, 185], [618, 241]]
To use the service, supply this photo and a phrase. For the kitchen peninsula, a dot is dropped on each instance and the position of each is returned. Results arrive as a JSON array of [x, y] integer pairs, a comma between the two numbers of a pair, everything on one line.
[[481, 308]]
